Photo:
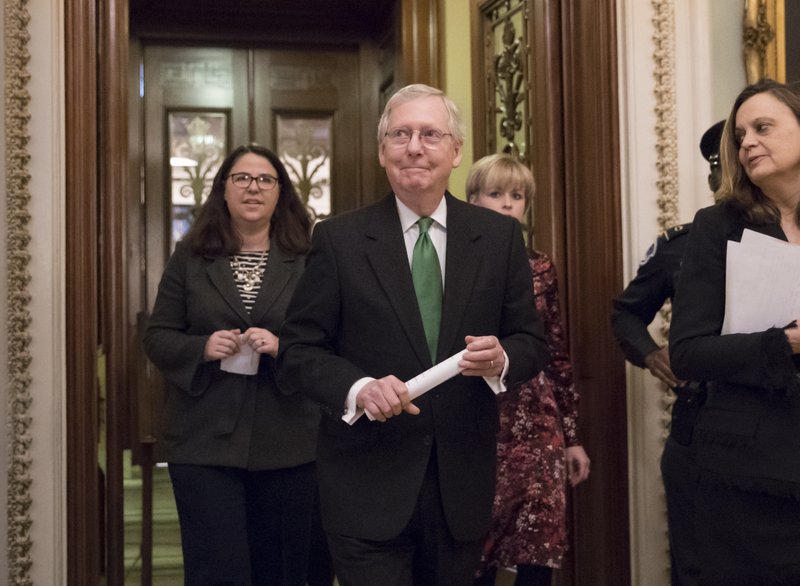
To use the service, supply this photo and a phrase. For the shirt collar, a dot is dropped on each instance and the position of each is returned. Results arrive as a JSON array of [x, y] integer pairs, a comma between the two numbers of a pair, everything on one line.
[[408, 218]]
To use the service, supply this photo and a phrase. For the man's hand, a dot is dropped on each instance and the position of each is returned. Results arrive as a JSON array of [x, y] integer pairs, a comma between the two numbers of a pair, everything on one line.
[[658, 364], [384, 398], [484, 357]]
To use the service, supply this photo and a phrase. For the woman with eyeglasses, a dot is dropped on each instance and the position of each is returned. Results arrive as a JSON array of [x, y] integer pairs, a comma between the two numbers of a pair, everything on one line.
[[240, 453]]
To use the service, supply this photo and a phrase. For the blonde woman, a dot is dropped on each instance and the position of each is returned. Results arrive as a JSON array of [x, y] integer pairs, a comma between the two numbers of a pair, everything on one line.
[[538, 448]]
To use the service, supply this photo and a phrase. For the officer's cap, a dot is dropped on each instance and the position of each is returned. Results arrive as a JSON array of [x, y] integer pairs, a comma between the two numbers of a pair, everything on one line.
[[709, 143]]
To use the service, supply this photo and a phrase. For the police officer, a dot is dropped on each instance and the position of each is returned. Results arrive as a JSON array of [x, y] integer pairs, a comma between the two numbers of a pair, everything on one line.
[[633, 310]]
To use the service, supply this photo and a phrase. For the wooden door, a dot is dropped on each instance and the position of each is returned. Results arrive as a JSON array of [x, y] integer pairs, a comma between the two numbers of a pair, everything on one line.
[[109, 132], [304, 104], [198, 103], [545, 82]]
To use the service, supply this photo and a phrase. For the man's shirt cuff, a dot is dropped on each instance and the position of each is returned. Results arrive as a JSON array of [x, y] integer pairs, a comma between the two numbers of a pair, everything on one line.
[[351, 411], [498, 383]]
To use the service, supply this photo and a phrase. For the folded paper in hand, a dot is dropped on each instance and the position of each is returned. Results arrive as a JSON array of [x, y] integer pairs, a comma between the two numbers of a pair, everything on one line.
[[245, 361]]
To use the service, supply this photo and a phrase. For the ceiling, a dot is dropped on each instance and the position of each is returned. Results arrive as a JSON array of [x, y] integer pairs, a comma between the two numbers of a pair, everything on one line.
[[263, 19]]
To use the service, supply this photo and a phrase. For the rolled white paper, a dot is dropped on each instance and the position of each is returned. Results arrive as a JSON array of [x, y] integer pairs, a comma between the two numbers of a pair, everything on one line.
[[434, 376], [425, 381]]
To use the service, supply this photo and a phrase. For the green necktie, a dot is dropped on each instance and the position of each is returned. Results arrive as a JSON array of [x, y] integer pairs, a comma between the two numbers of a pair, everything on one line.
[[427, 276]]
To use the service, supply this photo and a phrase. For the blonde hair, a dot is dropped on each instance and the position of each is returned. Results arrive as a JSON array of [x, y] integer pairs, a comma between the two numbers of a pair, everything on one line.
[[500, 170]]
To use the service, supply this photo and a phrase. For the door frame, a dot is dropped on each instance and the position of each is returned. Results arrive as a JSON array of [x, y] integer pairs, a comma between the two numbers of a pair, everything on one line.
[[98, 196], [574, 151]]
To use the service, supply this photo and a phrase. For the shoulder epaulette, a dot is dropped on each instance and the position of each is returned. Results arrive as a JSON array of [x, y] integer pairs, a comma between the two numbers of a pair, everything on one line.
[[676, 231]]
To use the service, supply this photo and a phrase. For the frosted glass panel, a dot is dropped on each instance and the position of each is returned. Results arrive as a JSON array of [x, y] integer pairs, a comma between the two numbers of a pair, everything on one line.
[[304, 146], [197, 146]]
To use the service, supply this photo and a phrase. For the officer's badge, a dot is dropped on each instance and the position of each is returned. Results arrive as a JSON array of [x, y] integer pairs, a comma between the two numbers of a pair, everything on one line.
[[651, 252]]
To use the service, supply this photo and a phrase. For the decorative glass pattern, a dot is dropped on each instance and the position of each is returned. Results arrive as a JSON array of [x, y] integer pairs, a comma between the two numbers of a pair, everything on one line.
[[305, 147], [197, 146], [510, 86]]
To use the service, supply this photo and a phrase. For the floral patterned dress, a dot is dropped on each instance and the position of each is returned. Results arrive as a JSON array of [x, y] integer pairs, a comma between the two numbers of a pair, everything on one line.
[[537, 422]]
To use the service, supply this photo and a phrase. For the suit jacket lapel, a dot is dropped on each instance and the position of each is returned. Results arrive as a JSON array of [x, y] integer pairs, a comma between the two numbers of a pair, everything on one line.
[[460, 270], [386, 254], [219, 271], [277, 273]]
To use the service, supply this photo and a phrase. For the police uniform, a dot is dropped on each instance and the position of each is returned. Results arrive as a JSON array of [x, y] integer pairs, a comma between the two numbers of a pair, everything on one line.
[[644, 296], [633, 310]]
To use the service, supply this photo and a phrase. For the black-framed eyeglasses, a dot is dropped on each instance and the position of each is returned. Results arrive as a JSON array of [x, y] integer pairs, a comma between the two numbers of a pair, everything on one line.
[[265, 182], [430, 137]]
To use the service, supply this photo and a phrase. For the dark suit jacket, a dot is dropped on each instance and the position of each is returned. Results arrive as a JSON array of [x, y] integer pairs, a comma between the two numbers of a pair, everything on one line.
[[355, 314], [747, 431], [213, 417]]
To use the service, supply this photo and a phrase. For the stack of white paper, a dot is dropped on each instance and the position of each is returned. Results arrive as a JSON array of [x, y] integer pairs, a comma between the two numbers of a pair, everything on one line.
[[762, 287]]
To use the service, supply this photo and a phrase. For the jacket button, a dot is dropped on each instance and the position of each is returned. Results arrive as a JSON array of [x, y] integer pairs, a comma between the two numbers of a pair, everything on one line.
[[428, 440]]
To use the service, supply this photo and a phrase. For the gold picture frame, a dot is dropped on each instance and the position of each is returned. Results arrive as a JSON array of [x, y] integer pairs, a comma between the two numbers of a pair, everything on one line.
[[764, 40]]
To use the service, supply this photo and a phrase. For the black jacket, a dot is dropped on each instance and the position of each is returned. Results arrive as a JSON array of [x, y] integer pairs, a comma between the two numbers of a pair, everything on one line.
[[213, 417], [747, 432], [638, 304]]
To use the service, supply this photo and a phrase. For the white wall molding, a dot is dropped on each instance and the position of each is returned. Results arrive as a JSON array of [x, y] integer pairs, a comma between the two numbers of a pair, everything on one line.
[[34, 289], [665, 81]]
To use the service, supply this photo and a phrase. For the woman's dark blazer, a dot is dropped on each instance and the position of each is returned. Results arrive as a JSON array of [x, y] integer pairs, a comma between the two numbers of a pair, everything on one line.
[[748, 431], [213, 417]]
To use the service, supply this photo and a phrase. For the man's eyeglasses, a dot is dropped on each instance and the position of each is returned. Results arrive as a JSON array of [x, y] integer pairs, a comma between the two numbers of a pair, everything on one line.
[[430, 137], [243, 180]]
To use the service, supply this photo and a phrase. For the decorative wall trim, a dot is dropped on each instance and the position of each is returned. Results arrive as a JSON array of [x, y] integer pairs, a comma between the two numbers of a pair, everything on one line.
[[666, 162], [17, 116], [666, 118], [666, 147]]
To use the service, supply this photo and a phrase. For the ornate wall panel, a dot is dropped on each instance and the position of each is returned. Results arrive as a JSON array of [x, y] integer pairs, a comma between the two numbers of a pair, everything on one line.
[[506, 84], [507, 80], [518, 106]]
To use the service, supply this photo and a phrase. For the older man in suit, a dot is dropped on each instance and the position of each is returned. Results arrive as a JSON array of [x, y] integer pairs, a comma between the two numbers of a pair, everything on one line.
[[407, 497]]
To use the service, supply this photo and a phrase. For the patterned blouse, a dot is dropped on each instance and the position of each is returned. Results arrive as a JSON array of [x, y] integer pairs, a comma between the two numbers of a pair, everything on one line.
[[538, 420], [248, 270]]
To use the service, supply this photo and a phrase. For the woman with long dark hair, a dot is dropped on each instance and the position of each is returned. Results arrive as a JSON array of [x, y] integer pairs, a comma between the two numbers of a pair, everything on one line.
[[240, 453]]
